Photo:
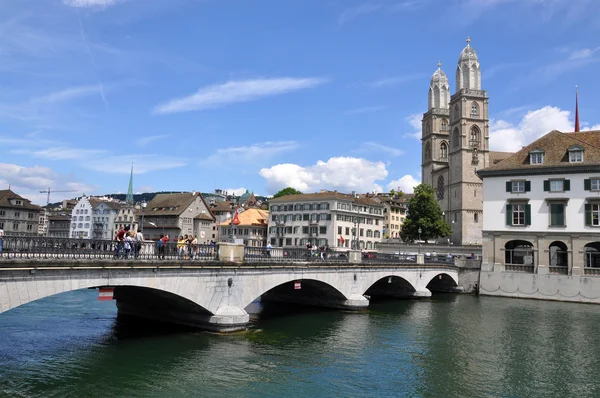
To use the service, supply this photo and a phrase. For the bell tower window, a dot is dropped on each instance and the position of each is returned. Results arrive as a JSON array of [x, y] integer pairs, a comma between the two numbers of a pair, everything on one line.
[[474, 109], [428, 151], [456, 113], [444, 125], [444, 151]]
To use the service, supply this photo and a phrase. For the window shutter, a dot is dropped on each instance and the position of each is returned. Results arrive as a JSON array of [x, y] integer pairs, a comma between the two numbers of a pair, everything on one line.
[[587, 184], [567, 185], [588, 213], [509, 186], [527, 214], [546, 185], [508, 214], [527, 186]]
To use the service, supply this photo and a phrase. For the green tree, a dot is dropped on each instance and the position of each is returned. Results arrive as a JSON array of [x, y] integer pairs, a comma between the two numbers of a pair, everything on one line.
[[425, 213], [287, 191]]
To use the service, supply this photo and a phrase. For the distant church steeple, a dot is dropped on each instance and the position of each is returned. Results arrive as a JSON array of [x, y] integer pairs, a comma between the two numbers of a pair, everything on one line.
[[129, 197]]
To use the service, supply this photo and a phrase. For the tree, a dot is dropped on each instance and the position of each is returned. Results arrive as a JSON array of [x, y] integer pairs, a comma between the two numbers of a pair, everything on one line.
[[287, 191], [425, 213]]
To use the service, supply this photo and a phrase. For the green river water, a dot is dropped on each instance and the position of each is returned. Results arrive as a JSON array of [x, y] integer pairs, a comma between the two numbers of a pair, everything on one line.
[[71, 345]]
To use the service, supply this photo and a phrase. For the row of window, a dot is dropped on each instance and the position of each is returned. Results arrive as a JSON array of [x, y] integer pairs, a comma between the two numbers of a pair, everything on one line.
[[315, 217], [296, 230], [536, 156], [519, 214], [17, 214], [15, 226], [552, 185], [358, 220], [243, 231], [300, 207]]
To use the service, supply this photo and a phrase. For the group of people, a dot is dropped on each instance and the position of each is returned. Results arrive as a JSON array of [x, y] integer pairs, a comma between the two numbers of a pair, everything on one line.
[[128, 243], [187, 247], [315, 251]]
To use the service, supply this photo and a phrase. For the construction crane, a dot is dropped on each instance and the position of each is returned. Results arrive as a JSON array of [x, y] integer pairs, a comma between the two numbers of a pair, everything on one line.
[[50, 190]]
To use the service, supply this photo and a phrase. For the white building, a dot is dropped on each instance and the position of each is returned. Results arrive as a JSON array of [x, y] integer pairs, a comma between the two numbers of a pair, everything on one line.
[[81, 219], [104, 215], [326, 219], [542, 205]]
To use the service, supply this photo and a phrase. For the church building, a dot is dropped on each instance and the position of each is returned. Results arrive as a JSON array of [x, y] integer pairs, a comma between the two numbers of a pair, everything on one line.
[[455, 144]]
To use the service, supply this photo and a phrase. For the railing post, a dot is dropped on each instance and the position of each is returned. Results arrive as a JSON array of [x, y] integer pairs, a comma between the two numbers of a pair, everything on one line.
[[354, 257], [420, 258]]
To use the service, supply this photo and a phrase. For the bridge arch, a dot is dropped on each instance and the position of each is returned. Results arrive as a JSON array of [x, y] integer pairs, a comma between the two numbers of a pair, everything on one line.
[[442, 282], [27, 291], [323, 285]]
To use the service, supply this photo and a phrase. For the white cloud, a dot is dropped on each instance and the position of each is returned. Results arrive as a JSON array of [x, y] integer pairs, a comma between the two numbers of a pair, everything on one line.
[[90, 3], [254, 153], [67, 94], [583, 53], [145, 141], [29, 181], [341, 173], [406, 184], [219, 95], [60, 153], [415, 121], [393, 81], [384, 148], [142, 163], [505, 136]]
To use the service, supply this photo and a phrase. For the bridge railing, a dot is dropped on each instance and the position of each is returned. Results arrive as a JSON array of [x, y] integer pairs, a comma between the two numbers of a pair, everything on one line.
[[293, 254], [15, 247], [388, 258]]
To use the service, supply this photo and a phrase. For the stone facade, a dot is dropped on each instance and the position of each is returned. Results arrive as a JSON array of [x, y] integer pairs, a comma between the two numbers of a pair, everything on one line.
[[455, 144], [17, 215]]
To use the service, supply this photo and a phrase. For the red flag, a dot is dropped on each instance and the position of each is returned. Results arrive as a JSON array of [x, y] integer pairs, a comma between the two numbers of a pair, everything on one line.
[[236, 218], [342, 239]]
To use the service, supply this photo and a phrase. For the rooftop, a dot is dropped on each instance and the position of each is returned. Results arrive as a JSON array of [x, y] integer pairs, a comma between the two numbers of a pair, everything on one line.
[[325, 195], [6, 195], [251, 217]]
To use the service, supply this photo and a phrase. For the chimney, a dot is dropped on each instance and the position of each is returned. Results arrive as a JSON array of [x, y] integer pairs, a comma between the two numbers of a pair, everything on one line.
[[193, 193]]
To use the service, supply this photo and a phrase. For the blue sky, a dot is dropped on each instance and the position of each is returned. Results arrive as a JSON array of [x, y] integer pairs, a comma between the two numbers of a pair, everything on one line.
[[232, 94]]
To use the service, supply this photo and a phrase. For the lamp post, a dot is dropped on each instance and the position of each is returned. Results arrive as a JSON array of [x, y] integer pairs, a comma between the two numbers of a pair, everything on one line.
[[144, 204], [233, 204], [420, 230], [156, 226]]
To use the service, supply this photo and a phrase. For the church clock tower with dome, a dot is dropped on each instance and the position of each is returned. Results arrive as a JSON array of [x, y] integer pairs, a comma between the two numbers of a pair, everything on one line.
[[455, 144]]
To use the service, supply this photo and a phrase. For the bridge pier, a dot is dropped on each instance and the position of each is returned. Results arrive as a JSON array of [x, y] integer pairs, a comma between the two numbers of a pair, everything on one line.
[[422, 293]]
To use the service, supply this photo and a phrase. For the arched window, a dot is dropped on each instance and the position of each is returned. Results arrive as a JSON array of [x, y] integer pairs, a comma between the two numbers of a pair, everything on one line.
[[444, 125], [591, 253], [440, 188], [476, 218], [474, 109], [455, 138], [443, 151], [559, 256], [474, 137], [518, 252], [428, 151]]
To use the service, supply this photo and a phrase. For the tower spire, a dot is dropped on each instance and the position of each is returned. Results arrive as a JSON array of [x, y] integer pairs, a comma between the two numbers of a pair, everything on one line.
[[129, 197], [576, 109]]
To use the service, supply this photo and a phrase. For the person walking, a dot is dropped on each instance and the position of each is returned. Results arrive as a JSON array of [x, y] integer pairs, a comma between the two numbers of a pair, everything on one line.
[[180, 246], [268, 250], [193, 247]]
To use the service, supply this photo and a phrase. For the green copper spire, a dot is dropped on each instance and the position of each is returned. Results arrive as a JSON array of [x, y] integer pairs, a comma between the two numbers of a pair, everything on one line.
[[129, 197]]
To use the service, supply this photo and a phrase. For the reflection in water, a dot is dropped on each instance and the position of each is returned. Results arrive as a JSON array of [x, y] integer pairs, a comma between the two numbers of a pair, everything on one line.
[[449, 346]]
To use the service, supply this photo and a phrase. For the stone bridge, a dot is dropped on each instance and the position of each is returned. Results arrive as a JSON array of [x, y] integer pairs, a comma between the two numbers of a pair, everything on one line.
[[213, 294]]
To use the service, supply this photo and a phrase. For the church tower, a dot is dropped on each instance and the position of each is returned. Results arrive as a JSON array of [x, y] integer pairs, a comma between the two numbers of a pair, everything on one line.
[[468, 151], [435, 135]]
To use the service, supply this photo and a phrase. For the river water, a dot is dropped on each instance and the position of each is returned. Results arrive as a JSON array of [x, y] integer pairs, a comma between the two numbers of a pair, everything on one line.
[[72, 345]]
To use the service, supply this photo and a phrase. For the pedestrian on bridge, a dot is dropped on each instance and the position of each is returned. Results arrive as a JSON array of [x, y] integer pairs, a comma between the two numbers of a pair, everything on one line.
[[1, 238]]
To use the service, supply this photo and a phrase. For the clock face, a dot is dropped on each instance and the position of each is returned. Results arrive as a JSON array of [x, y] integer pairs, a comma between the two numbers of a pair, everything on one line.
[[440, 188]]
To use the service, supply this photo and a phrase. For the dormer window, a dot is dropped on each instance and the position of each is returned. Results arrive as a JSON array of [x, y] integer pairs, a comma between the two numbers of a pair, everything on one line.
[[536, 156], [576, 154]]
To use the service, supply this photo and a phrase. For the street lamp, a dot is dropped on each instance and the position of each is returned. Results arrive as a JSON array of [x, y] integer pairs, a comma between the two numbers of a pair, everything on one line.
[[420, 230], [233, 203], [144, 204], [156, 226]]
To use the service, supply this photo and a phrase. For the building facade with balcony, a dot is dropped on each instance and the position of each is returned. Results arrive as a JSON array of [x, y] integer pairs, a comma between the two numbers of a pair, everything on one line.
[[104, 215], [394, 212], [326, 218], [18, 216], [542, 206], [59, 225]]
